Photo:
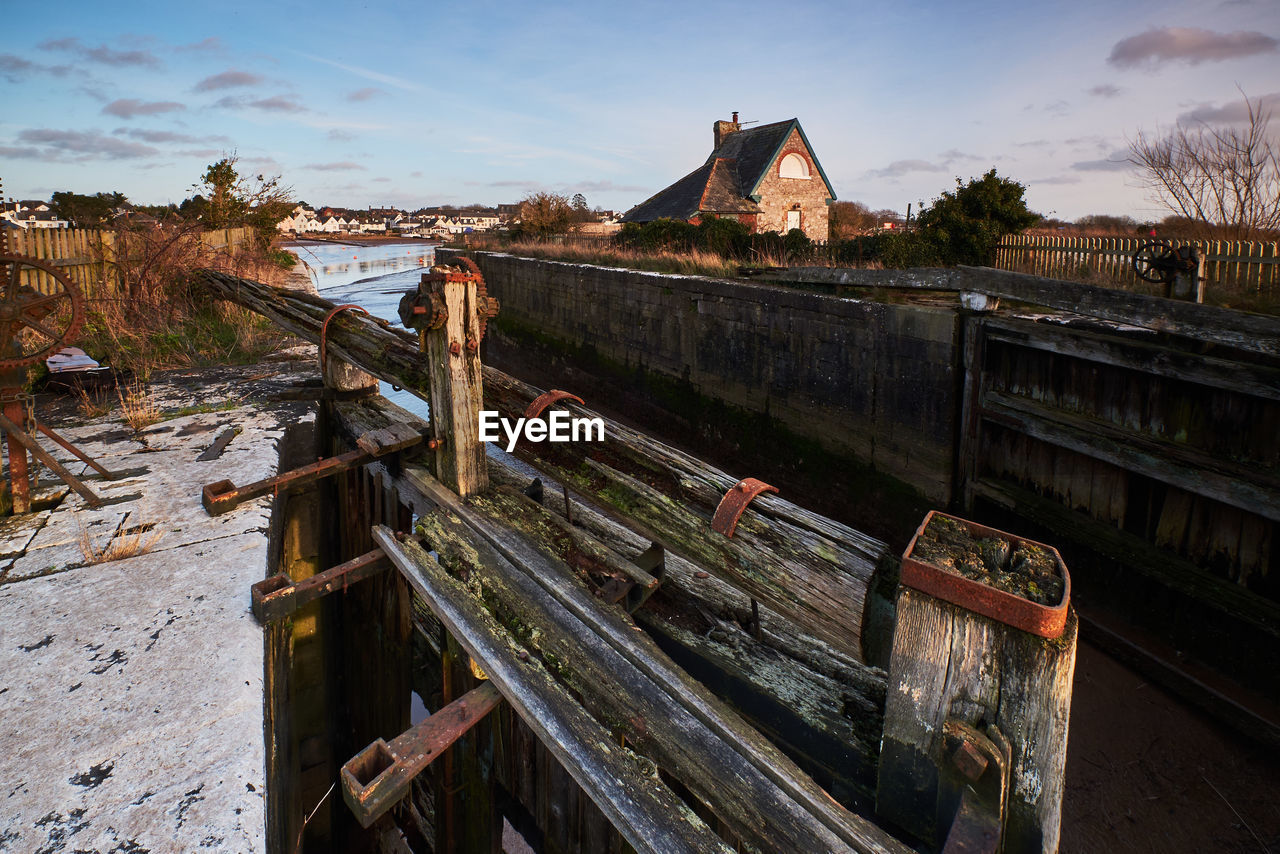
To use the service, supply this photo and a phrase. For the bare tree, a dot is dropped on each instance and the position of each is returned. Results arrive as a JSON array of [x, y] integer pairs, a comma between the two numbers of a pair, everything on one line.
[[1224, 176]]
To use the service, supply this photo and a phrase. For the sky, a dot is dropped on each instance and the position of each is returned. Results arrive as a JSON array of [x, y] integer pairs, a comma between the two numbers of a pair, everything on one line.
[[425, 103]]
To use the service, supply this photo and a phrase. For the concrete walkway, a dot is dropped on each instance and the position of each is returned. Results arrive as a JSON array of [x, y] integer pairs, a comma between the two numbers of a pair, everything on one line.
[[131, 701]]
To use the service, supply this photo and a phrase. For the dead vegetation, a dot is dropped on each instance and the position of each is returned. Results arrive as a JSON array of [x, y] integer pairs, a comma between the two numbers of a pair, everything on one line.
[[696, 262], [122, 543], [146, 311], [138, 407]]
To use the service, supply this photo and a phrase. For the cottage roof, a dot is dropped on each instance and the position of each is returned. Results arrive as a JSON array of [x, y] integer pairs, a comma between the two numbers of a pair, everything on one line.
[[728, 180]]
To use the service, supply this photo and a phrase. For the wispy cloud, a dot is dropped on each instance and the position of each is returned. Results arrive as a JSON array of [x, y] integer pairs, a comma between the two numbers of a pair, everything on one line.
[[1191, 45], [229, 79], [340, 166], [1232, 112], [274, 104], [1104, 90], [367, 74], [212, 44], [339, 135], [14, 68], [898, 168], [365, 94], [127, 108], [1117, 162], [162, 136], [84, 145], [103, 54]]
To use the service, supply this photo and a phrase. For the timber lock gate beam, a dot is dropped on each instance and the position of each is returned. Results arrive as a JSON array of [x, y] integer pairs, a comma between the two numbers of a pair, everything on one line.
[[550, 606]]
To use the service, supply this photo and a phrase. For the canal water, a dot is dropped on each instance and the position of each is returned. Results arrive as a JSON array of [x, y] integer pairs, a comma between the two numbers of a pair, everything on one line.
[[374, 278]]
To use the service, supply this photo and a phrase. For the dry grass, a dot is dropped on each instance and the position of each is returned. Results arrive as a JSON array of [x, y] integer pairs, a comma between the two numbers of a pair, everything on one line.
[[123, 542], [695, 263], [93, 405], [152, 314], [138, 406]]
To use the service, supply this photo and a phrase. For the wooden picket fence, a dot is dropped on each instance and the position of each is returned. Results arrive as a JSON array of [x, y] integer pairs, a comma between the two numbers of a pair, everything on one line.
[[91, 257], [1231, 266]]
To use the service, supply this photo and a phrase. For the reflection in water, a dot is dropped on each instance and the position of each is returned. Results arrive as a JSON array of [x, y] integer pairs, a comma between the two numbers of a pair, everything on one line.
[[374, 280]]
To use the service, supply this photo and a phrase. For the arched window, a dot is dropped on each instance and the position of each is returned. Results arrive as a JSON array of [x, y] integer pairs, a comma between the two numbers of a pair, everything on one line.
[[793, 166]]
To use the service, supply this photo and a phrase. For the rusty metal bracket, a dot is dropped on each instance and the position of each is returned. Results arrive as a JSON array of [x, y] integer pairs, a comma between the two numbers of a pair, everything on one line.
[[542, 401], [734, 502], [324, 328], [278, 596], [973, 787], [24, 439], [376, 778], [223, 495]]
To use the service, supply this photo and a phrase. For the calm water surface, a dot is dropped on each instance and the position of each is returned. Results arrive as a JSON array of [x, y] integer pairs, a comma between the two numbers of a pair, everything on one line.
[[374, 278]]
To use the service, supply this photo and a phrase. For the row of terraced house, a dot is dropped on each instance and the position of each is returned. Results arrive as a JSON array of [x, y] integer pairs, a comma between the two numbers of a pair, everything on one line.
[[423, 223]]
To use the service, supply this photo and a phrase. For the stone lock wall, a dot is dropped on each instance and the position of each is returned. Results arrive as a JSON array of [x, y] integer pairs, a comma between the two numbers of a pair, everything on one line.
[[778, 195], [869, 380]]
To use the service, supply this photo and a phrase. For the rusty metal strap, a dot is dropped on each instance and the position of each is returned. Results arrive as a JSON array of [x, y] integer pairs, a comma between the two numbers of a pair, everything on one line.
[[542, 401], [735, 502], [376, 778], [278, 596], [324, 328]]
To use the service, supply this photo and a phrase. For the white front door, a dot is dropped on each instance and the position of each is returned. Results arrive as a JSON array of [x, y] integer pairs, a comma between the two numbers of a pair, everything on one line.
[[793, 220]]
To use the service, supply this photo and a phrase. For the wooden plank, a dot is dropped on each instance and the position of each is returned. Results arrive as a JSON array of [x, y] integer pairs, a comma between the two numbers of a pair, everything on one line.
[[1247, 610], [1252, 332], [750, 758], [1168, 462], [645, 811]]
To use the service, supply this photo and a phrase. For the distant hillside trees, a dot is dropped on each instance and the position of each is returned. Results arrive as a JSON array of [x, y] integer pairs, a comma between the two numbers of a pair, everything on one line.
[[1227, 176]]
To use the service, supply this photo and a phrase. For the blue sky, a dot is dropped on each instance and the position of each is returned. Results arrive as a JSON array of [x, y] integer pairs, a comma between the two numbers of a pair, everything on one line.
[[428, 103]]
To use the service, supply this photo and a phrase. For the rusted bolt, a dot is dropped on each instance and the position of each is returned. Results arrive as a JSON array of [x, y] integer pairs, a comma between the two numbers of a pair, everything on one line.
[[434, 444], [401, 536], [701, 574], [523, 655], [455, 348], [969, 761], [472, 346]]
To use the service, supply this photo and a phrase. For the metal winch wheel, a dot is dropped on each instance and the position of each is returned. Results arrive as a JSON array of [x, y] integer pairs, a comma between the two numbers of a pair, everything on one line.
[[1156, 261], [41, 311]]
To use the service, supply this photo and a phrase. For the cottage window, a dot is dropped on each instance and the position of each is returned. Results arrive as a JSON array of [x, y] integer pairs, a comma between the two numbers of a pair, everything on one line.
[[793, 166]]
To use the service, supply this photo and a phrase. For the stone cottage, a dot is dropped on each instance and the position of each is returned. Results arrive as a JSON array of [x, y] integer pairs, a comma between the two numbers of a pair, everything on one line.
[[765, 177]]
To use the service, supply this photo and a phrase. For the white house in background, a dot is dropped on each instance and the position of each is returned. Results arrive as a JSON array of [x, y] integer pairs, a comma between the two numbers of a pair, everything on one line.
[[302, 220]]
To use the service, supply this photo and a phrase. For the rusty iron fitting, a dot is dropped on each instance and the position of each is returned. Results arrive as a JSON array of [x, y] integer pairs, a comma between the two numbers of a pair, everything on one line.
[[472, 345], [455, 349], [434, 444], [735, 501]]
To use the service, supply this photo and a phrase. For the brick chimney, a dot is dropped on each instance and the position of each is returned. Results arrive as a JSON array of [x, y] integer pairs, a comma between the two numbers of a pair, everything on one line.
[[723, 129]]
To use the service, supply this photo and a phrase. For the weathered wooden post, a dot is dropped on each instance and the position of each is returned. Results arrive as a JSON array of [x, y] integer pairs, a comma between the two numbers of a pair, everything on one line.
[[452, 350], [466, 818], [979, 693]]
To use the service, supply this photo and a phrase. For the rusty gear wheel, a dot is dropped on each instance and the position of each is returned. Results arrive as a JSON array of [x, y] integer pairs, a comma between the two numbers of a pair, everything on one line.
[[39, 317], [488, 306]]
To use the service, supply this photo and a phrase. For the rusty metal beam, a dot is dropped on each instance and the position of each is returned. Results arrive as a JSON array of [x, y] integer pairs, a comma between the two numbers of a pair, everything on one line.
[[278, 596], [20, 436], [79, 454], [223, 495], [376, 778]]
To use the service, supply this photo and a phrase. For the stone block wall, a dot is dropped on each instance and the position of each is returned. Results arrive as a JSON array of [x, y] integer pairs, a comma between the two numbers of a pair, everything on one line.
[[778, 194], [870, 380]]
